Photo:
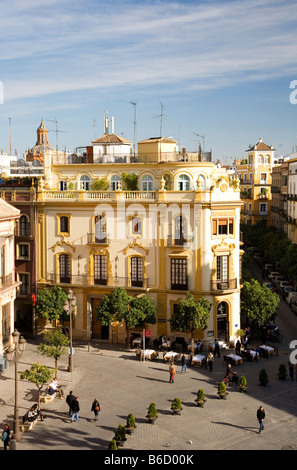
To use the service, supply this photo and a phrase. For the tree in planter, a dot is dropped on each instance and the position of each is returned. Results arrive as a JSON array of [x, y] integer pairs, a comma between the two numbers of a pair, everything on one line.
[[176, 405], [190, 315], [38, 375], [263, 377], [282, 372], [119, 306], [200, 397], [222, 390], [130, 181], [101, 184], [120, 434], [50, 303], [257, 302], [152, 413], [54, 346], [112, 445], [130, 423], [242, 383]]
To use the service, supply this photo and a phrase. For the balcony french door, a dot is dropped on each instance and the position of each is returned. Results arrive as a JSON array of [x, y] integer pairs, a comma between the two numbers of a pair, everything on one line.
[[136, 271], [180, 230], [64, 269], [100, 269], [179, 274], [222, 272]]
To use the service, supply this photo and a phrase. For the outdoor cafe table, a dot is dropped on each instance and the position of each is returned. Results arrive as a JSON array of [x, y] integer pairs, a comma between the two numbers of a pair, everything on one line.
[[136, 341], [267, 350], [234, 359], [198, 359], [170, 355]]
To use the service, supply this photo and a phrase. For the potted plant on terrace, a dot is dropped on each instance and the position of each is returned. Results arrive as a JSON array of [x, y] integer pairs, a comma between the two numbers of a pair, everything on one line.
[[176, 406], [130, 423], [200, 400], [152, 413], [112, 445], [120, 435], [222, 390]]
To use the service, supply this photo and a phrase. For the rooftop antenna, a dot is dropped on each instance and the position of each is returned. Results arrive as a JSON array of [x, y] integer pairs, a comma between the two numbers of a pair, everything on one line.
[[134, 122], [10, 135], [161, 116], [56, 131]]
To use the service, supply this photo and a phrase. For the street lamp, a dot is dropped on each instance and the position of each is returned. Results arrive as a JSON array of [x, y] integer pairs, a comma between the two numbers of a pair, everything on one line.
[[12, 355], [69, 307]]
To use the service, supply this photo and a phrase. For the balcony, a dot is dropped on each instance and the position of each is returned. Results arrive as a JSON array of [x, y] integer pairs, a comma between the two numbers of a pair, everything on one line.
[[84, 280], [93, 239], [223, 285]]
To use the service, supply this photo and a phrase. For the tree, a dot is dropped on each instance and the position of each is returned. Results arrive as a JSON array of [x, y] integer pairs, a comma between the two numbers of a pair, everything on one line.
[[50, 303], [119, 306], [257, 302], [54, 346], [38, 375], [190, 315]]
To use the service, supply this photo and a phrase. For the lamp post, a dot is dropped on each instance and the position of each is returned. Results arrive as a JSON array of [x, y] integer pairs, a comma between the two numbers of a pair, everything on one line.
[[69, 307], [12, 355]]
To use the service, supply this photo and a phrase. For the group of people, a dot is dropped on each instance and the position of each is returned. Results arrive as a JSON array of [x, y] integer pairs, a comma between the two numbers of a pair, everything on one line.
[[74, 407]]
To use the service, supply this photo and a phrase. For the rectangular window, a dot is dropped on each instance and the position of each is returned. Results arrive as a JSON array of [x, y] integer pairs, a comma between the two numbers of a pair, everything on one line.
[[5, 324], [100, 269], [136, 225], [23, 251], [64, 224], [222, 272], [223, 226], [24, 287], [179, 274]]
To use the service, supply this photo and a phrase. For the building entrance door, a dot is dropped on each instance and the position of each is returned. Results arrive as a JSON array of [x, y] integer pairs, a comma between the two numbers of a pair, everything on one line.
[[98, 331], [223, 322]]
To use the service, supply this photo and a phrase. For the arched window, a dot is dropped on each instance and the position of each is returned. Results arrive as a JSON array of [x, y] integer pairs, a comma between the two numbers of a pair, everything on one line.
[[147, 183], [100, 229], [24, 226], [115, 179], [202, 181], [260, 159], [183, 183], [85, 182], [267, 159]]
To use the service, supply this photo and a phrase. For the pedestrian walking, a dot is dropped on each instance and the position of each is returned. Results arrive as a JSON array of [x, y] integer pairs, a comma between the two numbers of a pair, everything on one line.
[[260, 418], [171, 372], [216, 349], [95, 408], [184, 364], [291, 370], [210, 361], [75, 409], [69, 399], [6, 436]]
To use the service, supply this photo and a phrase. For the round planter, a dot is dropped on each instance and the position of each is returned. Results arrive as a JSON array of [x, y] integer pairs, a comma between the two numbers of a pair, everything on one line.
[[223, 396], [242, 389], [130, 430], [176, 412], [151, 419], [200, 403], [120, 443]]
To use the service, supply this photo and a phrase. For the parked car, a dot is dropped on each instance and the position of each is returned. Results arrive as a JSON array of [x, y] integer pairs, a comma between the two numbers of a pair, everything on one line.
[[276, 279], [291, 297], [268, 285], [294, 307], [286, 290], [281, 284], [268, 267], [273, 273]]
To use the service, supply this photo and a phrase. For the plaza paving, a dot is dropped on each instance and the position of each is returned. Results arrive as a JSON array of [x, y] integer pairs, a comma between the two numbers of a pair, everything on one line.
[[123, 385]]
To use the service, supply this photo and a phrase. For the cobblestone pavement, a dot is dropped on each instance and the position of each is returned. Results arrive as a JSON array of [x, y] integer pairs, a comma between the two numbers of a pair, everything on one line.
[[123, 385]]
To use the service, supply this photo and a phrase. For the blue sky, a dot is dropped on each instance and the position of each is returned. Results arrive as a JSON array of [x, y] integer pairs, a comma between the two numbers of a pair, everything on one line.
[[221, 69]]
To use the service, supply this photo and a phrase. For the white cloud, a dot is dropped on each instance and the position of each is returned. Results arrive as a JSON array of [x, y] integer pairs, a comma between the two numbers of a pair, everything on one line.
[[55, 47]]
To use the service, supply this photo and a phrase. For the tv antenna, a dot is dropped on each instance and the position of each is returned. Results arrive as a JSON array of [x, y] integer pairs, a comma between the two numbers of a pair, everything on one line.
[[161, 117], [134, 122], [56, 131]]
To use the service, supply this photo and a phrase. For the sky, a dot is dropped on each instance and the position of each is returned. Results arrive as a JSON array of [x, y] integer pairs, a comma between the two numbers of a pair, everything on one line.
[[214, 72]]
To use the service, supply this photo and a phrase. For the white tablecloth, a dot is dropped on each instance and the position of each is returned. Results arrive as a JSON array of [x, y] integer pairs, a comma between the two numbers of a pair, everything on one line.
[[198, 358]]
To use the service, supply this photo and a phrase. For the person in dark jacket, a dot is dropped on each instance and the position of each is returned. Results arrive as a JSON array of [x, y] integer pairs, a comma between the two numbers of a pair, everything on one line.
[[95, 408], [75, 409], [6, 436], [184, 364], [69, 399], [260, 418]]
